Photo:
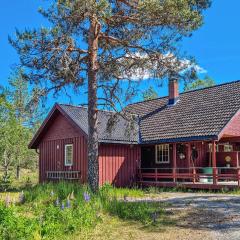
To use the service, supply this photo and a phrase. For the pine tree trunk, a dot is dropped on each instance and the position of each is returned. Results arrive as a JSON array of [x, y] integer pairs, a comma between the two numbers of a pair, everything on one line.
[[93, 166]]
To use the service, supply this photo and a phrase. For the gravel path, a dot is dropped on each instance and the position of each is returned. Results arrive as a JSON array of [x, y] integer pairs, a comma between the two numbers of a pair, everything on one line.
[[218, 214]]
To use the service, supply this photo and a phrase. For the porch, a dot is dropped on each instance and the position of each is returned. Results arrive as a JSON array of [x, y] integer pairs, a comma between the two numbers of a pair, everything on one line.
[[203, 165]]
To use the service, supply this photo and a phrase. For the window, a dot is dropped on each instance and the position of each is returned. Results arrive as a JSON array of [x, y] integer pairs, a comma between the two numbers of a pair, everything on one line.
[[68, 155], [210, 147], [228, 148], [162, 153]]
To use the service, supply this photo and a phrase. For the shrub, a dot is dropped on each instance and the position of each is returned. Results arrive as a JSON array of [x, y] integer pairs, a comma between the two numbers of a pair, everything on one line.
[[15, 226], [5, 182]]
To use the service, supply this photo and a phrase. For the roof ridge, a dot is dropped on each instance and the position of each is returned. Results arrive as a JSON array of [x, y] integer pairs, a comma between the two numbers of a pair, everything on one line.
[[71, 105], [214, 86], [194, 90], [78, 106]]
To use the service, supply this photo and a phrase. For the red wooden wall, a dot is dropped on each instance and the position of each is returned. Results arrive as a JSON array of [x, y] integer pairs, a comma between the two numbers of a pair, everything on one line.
[[201, 161], [117, 163], [148, 156], [221, 162], [52, 156], [233, 127], [51, 148]]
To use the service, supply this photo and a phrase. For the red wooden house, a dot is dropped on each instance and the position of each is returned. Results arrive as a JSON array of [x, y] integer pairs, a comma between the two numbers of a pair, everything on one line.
[[191, 139]]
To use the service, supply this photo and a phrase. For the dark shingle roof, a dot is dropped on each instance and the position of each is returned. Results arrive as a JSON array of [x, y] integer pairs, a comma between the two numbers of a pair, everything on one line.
[[199, 114], [120, 133]]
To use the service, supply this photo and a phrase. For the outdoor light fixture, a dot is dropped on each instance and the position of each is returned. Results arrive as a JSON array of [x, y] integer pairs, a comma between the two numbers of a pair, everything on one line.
[[181, 156], [228, 159]]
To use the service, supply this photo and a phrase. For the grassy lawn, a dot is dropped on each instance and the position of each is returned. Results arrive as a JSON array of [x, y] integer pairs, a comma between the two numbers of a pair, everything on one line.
[[28, 177], [71, 211]]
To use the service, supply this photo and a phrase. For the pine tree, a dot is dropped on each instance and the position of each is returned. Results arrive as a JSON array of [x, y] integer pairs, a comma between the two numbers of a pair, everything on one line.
[[199, 83], [101, 43], [21, 113], [149, 94]]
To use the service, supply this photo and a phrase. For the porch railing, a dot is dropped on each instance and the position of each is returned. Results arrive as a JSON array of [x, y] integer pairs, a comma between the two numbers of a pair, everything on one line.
[[192, 175], [63, 175]]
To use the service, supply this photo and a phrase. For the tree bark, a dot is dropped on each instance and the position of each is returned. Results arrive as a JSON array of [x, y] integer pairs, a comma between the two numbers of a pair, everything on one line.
[[6, 164], [93, 166]]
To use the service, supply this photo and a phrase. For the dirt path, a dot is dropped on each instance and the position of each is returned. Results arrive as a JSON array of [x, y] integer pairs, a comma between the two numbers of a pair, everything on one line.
[[216, 214], [189, 216]]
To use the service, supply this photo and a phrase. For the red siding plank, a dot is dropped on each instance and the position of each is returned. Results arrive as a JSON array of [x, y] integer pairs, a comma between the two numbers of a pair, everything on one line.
[[119, 163]]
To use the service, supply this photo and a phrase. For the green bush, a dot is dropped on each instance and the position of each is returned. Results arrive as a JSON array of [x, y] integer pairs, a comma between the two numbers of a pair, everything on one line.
[[16, 226], [5, 182]]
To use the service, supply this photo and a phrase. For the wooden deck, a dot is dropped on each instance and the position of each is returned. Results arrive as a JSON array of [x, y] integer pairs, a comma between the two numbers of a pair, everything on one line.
[[220, 178], [222, 185]]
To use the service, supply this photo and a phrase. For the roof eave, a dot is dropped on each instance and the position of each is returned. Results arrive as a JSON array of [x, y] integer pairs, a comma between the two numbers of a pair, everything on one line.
[[117, 141], [182, 139]]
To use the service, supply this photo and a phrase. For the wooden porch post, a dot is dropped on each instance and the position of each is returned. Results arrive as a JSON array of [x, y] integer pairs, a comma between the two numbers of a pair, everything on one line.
[[174, 161], [191, 172], [189, 154], [214, 162], [238, 170]]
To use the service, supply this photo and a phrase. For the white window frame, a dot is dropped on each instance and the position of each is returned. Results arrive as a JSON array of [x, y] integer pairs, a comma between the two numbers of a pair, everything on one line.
[[65, 155], [210, 147], [159, 160], [228, 148]]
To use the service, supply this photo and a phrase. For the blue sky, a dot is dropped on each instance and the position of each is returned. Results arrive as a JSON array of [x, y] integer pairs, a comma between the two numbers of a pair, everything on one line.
[[216, 45]]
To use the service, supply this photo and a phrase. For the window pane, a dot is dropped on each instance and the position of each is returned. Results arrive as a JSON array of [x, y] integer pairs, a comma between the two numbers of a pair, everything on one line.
[[162, 153], [228, 148], [68, 154]]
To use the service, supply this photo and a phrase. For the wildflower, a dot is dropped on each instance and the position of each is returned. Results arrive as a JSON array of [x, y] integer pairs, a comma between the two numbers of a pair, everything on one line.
[[68, 204], [41, 219], [57, 202], [86, 196], [72, 196], [7, 200], [98, 215], [21, 197], [62, 206]]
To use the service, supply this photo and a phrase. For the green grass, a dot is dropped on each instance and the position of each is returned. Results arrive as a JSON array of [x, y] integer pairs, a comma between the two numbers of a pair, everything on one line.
[[28, 177], [158, 190], [41, 215], [122, 192]]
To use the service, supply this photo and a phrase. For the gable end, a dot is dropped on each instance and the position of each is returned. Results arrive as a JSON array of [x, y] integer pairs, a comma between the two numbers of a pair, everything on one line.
[[57, 125]]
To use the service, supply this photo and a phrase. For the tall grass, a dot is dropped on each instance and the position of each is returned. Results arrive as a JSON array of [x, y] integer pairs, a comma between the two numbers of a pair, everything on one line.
[[54, 211]]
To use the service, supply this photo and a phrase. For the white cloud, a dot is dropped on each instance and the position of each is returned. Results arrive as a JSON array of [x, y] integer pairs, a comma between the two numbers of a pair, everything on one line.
[[189, 65], [200, 69], [147, 71]]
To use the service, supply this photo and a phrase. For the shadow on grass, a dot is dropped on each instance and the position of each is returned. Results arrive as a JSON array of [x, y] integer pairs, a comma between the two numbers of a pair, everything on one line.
[[206, 212], [151, 215]]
